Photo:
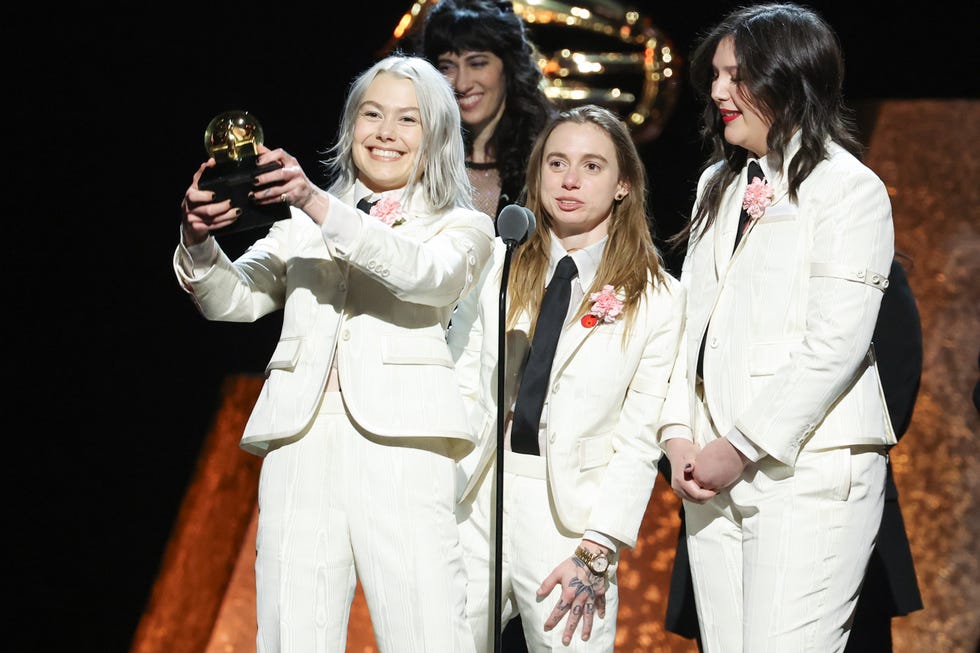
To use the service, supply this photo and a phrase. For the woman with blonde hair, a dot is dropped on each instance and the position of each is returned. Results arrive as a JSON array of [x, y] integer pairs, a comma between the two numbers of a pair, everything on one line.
[[582, 413]]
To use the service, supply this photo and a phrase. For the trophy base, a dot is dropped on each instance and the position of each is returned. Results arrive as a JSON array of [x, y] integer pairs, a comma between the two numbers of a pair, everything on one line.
[[234, 180]]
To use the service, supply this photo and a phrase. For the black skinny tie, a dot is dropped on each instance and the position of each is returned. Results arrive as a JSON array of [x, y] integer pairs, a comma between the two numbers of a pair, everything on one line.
[[537, 372], [755, 171], [365, 205]]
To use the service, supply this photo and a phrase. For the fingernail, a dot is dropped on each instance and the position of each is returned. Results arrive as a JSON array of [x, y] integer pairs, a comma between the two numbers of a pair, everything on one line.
[[238, 212]]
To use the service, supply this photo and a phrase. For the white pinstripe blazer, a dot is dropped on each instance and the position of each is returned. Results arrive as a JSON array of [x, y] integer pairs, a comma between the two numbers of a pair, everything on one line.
[[604, 402], [788, 318], [382, 307]]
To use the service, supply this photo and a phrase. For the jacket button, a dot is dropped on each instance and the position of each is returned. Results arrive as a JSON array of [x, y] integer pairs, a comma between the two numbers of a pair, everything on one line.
[[714, 343], [345, 334]]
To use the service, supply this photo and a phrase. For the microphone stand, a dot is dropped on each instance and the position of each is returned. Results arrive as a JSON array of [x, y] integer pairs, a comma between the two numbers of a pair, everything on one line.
[[514, 225], [499, 467]]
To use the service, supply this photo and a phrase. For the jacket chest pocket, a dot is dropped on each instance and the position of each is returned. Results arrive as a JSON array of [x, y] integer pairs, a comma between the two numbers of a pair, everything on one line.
[[285, 355], [595, 451]]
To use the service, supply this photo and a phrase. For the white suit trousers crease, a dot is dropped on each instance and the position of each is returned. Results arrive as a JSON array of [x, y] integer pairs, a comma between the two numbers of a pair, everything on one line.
[[339, 505], [532, 546], [779, 558]]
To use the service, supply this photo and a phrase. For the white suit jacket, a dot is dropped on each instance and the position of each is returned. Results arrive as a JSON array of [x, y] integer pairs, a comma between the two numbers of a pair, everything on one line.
[[381, 305], [788, 319], [604, 402]]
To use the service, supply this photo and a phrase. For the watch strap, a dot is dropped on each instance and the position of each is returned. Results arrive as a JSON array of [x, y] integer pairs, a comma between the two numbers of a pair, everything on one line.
[[588, 557]]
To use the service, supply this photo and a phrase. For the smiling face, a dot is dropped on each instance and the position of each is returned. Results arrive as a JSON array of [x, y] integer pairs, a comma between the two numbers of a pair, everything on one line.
[[744, 125], [580, 182], [480, 83], [387, 133]]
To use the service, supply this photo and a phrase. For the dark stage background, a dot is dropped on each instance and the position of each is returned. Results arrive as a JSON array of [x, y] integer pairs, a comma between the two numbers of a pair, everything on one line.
[[112, 376]]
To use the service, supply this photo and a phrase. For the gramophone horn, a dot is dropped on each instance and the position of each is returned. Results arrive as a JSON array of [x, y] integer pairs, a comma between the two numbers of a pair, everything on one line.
[[592, 52]]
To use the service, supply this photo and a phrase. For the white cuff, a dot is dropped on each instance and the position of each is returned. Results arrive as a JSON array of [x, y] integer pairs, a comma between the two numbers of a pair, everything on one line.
[[200, 257], [746, 446], [342, 226], [604, 540], [673, 431]]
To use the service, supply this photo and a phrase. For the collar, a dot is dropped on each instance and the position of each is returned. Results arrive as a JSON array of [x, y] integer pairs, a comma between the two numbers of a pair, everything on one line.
[[778, 179], [363, 192], [586, 260]]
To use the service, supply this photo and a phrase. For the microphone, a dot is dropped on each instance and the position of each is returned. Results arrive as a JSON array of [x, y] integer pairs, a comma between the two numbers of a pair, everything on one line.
[[514, 224], [531, 222]]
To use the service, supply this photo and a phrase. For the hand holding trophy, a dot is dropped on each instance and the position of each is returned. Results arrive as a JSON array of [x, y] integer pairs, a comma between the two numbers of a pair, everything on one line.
[[233, 139]]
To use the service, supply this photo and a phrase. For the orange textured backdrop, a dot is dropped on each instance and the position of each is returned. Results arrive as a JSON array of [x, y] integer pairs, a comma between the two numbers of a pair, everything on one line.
[[204, 597]]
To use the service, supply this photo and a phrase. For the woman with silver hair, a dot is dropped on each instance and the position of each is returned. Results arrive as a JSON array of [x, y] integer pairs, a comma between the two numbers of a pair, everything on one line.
[[360, 421]]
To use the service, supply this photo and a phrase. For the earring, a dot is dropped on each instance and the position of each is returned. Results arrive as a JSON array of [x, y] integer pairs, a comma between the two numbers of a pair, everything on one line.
[[619, 198]]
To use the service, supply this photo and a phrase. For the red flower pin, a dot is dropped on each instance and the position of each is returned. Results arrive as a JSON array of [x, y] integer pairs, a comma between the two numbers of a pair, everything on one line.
[[606, 306]]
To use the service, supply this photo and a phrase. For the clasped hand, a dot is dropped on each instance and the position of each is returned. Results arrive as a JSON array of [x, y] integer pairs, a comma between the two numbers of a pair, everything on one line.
[[699, 475], [287, 184], [583, 595]]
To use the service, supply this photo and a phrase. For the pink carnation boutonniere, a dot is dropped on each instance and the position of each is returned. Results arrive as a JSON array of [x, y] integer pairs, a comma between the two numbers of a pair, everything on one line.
[[758, 197], [606, 306], [389, 211]]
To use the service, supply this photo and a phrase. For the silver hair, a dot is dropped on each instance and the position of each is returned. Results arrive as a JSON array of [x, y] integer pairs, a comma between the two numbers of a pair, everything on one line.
[[441, 157]]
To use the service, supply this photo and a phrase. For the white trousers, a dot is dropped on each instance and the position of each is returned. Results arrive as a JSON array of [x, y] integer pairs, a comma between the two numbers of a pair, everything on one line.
[[533, 544], [778, 559], [340, 504]]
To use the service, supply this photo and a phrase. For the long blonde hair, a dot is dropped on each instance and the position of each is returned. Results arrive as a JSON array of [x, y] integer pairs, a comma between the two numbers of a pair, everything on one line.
[[630, 260]]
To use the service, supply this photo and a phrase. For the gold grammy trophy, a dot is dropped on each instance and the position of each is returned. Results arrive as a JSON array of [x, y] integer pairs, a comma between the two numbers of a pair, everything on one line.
[[233, 139]]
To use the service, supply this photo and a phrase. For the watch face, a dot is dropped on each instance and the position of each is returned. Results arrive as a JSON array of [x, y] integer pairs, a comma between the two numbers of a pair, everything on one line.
[[599, 565]]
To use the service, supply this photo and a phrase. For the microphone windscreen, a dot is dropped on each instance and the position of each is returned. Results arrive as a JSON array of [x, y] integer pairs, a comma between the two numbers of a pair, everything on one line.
[[531, 221], [513, 224]]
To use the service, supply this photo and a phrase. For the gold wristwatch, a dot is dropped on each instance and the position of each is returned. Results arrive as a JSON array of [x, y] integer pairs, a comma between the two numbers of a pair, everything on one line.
[[597, 563]]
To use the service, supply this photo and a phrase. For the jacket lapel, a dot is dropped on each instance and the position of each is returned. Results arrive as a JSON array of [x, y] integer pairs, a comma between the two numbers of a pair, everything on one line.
[[572, 336], [727, 224]]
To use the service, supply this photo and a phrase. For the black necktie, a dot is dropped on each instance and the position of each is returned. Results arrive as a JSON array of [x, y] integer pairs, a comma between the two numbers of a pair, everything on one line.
[[365, 205], [537, 372], [755, 171]]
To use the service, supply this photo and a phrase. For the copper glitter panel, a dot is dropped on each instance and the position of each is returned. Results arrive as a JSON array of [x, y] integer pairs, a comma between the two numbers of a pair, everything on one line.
[[925, 153]]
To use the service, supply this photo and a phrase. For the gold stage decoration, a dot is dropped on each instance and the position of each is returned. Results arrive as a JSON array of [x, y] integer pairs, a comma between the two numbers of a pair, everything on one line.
[[599, 52]]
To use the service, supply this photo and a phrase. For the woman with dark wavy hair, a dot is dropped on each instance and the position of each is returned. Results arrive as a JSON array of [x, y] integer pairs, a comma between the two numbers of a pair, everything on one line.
[[482, 48], [789, 251]]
